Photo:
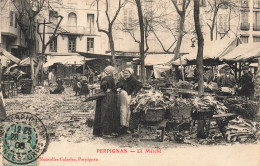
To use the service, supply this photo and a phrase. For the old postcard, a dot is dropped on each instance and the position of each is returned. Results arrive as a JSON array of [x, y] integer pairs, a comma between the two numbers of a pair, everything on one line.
[[130, 82]]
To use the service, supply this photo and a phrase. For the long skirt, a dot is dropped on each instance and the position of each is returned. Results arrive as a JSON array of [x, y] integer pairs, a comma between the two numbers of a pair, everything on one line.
[[2, 108], [107, 115], [124, 105]]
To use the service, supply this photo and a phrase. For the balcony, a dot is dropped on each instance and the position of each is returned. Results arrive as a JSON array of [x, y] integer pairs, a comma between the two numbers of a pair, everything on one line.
[[79, 30], [245, 26], [256, 27]]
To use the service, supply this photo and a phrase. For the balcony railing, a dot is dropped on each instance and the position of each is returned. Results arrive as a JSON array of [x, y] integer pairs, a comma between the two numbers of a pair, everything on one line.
[[256, 27], [245, 26], [79, 30]]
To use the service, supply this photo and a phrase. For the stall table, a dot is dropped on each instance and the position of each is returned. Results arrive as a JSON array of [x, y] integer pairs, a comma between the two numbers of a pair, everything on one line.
[[222, 120]]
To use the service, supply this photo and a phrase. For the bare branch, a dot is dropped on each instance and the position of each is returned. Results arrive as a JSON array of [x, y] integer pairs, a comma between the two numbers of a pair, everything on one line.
[[99, 29], [176, 7], [108, 19]]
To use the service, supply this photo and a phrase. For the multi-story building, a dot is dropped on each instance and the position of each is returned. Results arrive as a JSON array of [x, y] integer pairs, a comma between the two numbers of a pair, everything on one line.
[[250, 21], [78, 30], [11, 36]]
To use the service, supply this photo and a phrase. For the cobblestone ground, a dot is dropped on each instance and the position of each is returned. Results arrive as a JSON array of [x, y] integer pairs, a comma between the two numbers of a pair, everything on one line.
[[66, 118]]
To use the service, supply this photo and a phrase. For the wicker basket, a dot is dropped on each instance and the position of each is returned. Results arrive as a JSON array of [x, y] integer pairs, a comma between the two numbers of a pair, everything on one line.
[[153, 115]]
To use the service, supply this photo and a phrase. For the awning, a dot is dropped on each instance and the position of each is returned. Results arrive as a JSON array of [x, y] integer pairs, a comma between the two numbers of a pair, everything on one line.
[[106, 56], [178, 63], [243, 52], [9, 56], [66, 60], [214, 49], [157, 59], [159, 69]]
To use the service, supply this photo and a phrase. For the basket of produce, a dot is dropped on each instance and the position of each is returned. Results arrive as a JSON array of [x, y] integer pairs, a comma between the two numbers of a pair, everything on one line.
[[151, 104], [180, 109], [204, 108], [153, 114]]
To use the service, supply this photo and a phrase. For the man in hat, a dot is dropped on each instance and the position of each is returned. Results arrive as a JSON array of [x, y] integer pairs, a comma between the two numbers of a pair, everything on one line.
[[247, 85], [227, 79]]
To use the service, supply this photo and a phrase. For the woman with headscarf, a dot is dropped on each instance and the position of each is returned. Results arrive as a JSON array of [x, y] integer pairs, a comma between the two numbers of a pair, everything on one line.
[[126, 87], [107, 115]]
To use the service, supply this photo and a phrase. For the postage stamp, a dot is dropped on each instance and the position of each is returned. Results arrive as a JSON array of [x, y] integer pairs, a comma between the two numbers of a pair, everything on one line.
[[24, 138]]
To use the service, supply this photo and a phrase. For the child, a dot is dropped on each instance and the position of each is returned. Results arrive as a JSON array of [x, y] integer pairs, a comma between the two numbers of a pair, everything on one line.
[[76, 85], [84, 87]]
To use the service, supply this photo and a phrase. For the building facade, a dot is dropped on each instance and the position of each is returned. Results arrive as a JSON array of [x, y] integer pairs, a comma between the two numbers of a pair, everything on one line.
[[77, 31], [250, 21], [11, 37]]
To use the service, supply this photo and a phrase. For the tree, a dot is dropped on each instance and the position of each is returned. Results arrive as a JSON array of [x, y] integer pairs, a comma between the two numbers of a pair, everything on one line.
[[215, 6], [143, 35], [110, 23], [182, 14], [53, 37], [200, 46], [27, 13]]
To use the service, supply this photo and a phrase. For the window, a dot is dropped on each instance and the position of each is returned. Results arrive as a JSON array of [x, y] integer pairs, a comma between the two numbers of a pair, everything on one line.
[[53, 16], [256, 3], [256, 39], [148, 10], [245, 3], [15, 20], [203, 3], [256, 26], [90, 45], [128, 18], [244, 20], [11, 18], [244, 39], [72, 44], [72, 19], [90, 23], [53, 45], [223, 22]]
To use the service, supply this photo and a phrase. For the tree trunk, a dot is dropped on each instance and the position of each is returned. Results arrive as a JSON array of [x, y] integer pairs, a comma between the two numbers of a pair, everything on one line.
[[200, 46], [201, 124], [112, 47], [178, 46], [141, 44], [257, 88], [213, 24]]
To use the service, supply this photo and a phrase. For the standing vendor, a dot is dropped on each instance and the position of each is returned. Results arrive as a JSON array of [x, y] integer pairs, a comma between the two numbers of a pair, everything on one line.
[[247, 85], [227, 79]]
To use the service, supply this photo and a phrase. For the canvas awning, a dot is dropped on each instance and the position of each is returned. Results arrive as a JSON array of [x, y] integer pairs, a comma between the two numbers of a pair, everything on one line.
[[159, 69], [66, 60], [9, 56], [214, 49], [157, 59], [243, 52]]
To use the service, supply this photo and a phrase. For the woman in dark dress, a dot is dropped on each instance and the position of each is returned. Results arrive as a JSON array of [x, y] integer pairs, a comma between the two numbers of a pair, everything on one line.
[[107, 115], [127, 87], [59, 89], [76, 85], [84, 87]]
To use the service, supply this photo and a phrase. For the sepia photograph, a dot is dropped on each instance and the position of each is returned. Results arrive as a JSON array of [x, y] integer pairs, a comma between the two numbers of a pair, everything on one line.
[[130, 82]]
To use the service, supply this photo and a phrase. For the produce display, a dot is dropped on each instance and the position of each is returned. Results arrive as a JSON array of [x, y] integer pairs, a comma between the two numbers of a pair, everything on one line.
[[148, 99]]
